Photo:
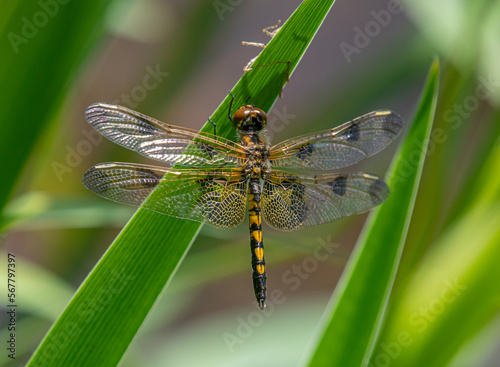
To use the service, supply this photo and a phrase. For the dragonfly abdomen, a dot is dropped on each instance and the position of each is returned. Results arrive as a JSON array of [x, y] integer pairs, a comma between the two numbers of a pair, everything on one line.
[[256, 243]]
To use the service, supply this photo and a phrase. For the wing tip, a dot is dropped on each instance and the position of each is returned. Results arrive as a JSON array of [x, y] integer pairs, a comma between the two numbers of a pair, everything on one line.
[[376, 187], [385, 190], [88, 179], [379, 190], [95, 110], [92, 176], [392, 120]]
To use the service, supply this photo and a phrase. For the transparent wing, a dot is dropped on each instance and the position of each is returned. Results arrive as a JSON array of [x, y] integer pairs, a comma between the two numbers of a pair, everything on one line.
[[291, 202], [157, 140], [340, 147], [215, 196]]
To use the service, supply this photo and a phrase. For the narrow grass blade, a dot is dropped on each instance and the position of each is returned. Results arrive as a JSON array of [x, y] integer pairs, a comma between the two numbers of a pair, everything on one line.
[[352, 321], [106, 312]]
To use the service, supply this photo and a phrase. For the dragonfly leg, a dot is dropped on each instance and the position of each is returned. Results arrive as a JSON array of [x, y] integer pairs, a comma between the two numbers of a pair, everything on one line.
[[231, 107], [215, 126]]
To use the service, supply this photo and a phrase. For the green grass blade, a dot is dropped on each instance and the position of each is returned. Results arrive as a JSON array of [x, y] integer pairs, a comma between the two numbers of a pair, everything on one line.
[[355, 313], [106, 312], [451, 296], [35, 71]]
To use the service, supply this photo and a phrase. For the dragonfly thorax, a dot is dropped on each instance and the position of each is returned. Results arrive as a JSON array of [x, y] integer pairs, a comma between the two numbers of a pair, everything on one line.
[[257, 160]]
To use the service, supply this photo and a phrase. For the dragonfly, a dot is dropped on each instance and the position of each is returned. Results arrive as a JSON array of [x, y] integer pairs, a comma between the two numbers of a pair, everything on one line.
[[212, 180]]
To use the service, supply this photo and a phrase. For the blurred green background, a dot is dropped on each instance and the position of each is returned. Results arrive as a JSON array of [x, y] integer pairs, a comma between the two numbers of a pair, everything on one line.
[[175, 61]]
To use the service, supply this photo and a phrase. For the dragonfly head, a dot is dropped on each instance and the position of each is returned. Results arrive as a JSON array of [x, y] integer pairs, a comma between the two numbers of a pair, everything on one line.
[[249, 119]]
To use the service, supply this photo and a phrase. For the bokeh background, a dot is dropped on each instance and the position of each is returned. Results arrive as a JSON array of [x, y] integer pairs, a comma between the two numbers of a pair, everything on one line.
[[176, 61]]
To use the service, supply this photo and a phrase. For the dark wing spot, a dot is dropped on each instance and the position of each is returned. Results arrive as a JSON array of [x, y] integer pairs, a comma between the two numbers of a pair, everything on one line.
[[338, 185], [379, 191], [353, 132], [305, 152]]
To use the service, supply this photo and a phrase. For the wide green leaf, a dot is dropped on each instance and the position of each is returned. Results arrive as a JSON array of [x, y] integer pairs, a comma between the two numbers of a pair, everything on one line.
[[108, 309], [351, 324]]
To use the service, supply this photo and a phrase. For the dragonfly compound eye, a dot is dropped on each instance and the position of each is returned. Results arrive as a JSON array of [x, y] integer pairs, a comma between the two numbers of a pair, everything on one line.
[[249, 118]]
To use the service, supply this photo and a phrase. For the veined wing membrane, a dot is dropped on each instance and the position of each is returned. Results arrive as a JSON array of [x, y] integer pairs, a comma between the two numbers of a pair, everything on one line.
[[340, 147], [157, 140], [291, 202], [214, 196]]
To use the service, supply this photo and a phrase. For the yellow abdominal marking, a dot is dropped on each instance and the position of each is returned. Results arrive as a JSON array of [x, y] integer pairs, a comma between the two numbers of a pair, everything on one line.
[[255, 220], [259, 252], [257, 235], [260, 269]]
